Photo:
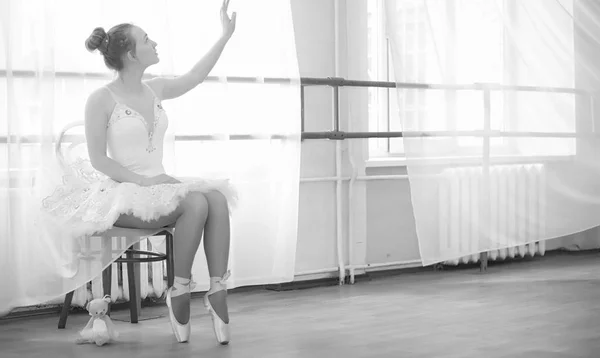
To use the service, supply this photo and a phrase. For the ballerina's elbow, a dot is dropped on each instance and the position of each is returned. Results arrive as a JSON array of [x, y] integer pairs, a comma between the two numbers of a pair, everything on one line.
[[99, 163]]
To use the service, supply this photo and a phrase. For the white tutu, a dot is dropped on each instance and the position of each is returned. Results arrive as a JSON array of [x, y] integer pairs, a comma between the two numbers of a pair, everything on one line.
[[89, 202]]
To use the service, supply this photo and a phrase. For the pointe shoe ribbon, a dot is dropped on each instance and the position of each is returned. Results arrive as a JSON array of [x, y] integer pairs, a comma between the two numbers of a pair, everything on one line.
[[182, 286], [220, 283]]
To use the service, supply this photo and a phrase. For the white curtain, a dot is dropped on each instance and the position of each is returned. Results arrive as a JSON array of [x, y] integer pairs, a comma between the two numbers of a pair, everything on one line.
[[501, 140], [46, 75]]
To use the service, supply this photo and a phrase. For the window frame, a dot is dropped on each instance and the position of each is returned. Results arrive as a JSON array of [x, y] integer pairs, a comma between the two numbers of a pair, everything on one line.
[[379, 117]]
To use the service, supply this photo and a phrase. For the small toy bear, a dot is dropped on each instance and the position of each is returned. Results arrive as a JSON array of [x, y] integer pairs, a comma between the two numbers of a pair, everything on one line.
[[100, 329]]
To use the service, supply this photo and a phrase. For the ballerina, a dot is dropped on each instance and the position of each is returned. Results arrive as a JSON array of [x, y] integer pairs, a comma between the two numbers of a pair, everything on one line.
[[125, 126]]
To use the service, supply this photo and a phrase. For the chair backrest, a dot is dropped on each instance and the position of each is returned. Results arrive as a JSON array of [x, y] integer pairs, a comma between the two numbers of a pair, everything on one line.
[[74, 159], [65, 156]]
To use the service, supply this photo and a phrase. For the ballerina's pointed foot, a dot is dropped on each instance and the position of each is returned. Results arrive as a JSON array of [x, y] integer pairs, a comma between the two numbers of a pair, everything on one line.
[[215, 302], [177, 295]]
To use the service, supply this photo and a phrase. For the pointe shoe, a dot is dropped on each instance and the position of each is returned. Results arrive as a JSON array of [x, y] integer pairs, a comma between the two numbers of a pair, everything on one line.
[[220, 328], [180, 287]]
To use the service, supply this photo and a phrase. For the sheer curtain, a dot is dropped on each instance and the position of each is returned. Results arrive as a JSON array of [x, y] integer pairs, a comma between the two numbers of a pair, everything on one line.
[[46, 75], [503, 150]]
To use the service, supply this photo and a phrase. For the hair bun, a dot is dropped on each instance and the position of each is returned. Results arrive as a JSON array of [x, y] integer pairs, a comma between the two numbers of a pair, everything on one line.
[[97, 40]]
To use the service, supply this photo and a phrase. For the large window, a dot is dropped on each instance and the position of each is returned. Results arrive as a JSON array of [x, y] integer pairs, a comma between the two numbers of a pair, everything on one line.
[[457, 42], [52, 74]]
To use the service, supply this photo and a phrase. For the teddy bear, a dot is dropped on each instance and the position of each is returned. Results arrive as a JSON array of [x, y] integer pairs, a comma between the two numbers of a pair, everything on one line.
[[100, 329]]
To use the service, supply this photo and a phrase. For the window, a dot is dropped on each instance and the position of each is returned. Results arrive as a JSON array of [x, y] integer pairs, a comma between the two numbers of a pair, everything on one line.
[[455, 42], [48, 41]]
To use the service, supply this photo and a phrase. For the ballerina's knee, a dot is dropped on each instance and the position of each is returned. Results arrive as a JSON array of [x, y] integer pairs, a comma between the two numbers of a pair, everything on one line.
[[196, 204], [216, 201]]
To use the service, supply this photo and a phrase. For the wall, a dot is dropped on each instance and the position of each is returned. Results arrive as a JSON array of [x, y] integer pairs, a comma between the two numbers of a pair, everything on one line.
[[383, 223], [383, 226]]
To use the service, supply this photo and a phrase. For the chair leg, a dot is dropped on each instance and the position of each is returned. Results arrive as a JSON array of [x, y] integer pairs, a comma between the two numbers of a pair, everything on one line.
[[107, 283], [133, 307], [64, 312], [170, 262]]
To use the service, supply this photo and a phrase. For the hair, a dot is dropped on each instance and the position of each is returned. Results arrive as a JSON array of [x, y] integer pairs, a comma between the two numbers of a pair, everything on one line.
[[112, 45]]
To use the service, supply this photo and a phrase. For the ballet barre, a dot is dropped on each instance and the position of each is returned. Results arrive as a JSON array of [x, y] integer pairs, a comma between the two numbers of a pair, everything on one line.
[[486, 134], [337, 134]]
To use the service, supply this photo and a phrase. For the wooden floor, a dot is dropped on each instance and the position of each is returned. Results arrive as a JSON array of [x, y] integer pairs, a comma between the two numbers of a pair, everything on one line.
[[548, 307]]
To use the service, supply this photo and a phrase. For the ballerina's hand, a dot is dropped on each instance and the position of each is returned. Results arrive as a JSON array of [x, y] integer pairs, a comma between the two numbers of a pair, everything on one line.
[[159, 179], [228, 23]]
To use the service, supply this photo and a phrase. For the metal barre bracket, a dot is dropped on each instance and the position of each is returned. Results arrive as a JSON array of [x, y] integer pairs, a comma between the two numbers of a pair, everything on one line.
[[337, 135], [336, 81], [331, 135]]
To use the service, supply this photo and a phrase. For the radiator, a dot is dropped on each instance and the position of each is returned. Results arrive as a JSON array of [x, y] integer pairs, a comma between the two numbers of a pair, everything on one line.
[[153, 279], [518, 189]]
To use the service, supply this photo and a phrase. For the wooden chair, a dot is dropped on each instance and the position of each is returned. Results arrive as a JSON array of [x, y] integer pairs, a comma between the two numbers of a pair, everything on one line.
[[132, 256]]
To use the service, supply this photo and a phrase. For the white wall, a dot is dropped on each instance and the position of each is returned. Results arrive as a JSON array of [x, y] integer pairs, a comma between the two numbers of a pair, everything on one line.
[[383, 224], [383, 227]]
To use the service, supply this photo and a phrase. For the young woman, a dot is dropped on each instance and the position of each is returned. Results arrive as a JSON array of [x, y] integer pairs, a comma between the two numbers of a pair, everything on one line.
[[125, 125]]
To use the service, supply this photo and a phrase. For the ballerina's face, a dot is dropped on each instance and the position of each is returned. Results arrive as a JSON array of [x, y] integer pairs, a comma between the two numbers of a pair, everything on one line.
[[145, 49]]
